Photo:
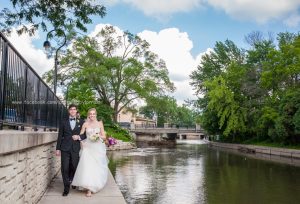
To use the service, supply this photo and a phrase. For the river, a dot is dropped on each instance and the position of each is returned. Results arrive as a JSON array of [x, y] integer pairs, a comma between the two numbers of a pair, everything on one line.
[[192, 172]]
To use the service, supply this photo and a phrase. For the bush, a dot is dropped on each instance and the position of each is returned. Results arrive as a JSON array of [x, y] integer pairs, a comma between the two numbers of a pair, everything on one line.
[[117, 132]]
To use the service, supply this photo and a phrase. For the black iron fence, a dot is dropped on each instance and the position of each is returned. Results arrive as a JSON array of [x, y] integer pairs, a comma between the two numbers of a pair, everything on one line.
[[25, 99]]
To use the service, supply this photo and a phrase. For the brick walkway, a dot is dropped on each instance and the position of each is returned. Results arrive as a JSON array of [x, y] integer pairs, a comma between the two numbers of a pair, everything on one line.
[[108, 195]]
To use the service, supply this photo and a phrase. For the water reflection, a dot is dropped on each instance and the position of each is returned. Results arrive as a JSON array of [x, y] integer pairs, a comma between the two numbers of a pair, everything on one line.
[[233, 178], [194, 173]]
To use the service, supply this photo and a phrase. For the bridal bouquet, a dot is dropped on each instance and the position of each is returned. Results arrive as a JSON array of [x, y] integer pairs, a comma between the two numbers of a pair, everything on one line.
[[95, 137]]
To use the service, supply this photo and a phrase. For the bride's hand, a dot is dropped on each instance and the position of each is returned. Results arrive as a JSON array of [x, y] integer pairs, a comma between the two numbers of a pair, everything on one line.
[[105, 140], [82, 144]]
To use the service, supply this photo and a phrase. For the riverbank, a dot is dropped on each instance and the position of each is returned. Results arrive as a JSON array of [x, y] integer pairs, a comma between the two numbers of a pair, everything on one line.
[[272, 144], [284, 155], [121, 145]]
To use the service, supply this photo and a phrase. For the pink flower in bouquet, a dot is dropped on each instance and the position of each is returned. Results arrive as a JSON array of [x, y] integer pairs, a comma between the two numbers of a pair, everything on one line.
[[112, 141]]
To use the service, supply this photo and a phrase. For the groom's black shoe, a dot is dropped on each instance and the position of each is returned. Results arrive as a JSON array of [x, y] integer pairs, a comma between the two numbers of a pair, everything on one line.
[[65, 193], [73, 187]]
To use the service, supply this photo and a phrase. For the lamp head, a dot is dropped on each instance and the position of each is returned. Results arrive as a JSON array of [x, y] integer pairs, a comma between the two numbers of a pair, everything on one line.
[[47, 45]]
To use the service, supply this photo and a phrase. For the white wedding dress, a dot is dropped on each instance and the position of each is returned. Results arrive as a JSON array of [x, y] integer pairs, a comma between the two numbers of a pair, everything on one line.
[[92, 169]]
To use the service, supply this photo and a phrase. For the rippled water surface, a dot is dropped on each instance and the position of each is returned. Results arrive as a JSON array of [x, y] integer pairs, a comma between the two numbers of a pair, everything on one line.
[[194, 173]]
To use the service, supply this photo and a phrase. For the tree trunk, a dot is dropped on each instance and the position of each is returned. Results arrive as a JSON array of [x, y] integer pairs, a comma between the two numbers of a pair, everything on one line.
[[116, 112], [115, 117]]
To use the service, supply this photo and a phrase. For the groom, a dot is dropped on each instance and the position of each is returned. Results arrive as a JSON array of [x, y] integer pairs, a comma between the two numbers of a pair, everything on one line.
[[68, 146]]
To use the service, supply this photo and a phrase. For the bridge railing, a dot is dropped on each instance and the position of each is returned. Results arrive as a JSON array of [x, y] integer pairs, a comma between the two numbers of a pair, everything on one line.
[[149, 126], [139, 126], [187, 127], [25, 99]]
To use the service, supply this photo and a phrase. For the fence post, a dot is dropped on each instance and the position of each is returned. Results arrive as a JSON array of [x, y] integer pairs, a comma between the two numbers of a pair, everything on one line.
[[25, 97], [46, 111], [57, 110], [38, 105], [46, 102], [3, 80]]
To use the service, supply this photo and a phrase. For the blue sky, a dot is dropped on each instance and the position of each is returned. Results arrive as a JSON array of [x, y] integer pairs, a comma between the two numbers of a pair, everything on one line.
[[204, 25], [180, 31]]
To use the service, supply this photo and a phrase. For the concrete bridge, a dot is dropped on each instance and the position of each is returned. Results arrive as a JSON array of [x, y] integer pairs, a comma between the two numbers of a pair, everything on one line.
[[166, 133]]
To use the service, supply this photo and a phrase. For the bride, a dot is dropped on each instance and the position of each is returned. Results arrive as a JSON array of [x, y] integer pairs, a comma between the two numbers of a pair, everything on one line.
[[92, 170]]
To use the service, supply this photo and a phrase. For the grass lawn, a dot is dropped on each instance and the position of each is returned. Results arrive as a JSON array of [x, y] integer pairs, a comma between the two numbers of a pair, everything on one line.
[[272, 144]]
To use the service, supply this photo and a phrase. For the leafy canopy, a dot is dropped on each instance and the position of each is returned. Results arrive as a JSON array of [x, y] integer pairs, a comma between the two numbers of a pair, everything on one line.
[[61, 15]]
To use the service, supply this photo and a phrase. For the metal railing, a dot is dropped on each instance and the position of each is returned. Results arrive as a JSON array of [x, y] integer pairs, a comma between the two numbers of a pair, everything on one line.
[[169, 126], [138, 126], [25, 99]]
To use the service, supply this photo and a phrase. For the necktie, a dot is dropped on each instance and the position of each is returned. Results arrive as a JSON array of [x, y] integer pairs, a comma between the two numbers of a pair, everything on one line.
[[72, 123]]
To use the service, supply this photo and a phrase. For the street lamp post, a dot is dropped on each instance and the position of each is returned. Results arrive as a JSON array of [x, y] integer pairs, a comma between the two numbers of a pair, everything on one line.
[[67, 92], [47, 47]]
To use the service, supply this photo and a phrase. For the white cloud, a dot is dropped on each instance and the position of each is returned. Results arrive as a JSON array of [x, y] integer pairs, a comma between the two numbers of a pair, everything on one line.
[[293, 20], [258, 10], [106, 3], [35, 57], [163, 7], [174, 47]]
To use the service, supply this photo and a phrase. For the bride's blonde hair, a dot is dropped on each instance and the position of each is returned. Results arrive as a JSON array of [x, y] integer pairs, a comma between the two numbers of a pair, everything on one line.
[[89, 111]]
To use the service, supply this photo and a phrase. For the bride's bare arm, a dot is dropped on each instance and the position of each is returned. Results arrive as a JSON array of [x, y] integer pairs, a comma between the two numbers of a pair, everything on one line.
[[103, 135], [102, 130]]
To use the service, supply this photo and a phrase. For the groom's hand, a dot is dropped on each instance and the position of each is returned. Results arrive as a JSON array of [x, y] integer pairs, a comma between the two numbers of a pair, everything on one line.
[[75, 137], [57, 153]]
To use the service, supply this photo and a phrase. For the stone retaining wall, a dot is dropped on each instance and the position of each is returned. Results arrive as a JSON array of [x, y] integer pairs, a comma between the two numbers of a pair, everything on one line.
[[282, 152], [27, 165], [122, 146]]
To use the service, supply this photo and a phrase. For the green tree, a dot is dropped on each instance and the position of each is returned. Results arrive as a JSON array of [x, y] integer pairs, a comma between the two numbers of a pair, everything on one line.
[[206, 83], [61, 15], [280, 79], [163, 107], [214, 63], [118, 68], [226, 103], [167, 111], [185, 116], [253, 95], [82, 95]]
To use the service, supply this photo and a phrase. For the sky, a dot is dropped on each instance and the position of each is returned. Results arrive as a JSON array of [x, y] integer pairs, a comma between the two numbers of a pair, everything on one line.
[[179, 31]]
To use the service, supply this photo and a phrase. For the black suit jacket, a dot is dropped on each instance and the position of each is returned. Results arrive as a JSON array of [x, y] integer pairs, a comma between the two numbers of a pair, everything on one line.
[[65, 141]]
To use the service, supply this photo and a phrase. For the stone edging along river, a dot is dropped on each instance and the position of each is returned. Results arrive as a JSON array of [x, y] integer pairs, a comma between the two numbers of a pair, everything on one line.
[[121, 146], [283, 155], [282, 152]]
